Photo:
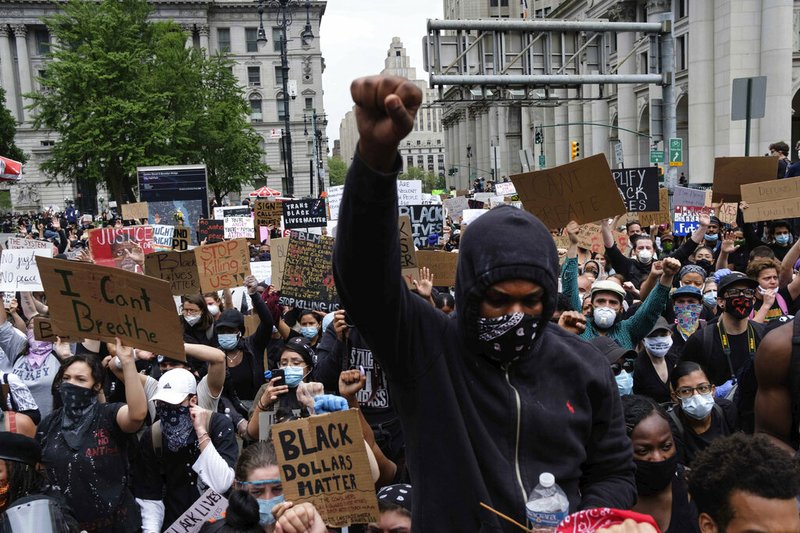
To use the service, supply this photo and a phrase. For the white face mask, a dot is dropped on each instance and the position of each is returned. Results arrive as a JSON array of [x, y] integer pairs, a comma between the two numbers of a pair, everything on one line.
[[645, 256], [604, 317], [698, 406], [192, 320], [213, 309], [657, 346]]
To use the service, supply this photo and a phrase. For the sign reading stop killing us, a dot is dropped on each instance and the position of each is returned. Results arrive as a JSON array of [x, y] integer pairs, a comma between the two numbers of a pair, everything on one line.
[[101, 303]]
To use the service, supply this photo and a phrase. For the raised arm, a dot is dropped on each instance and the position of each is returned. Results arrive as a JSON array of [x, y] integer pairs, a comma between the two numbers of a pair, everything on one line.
[[216, 365], [644, 319], [727, 248], [131, 416], [787, 266], [620, 263]]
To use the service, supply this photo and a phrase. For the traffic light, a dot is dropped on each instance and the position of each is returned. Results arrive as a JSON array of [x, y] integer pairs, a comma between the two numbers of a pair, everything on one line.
[[538, 137], [576, 150], [452, 171]]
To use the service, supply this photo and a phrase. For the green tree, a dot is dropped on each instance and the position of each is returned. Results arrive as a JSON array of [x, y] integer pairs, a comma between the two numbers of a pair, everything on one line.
[[337, 170], [430, 180], [8, 129]]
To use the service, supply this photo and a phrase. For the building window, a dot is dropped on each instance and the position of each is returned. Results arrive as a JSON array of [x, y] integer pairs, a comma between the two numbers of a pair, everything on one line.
[[279, 106], [681, 8], [251, 39], [278, 75], [503, 3], [643, 63], [409, 161], [309, 103], [493, 3], [255, 108], [681, 52], [254, 76], [277, 36], [397, 53], [42, 42], [224, 39], [47, 143], [421, 161], [430, 163]]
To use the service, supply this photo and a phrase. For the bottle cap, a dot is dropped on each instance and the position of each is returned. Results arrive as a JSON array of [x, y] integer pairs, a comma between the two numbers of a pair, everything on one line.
[[546, 480]]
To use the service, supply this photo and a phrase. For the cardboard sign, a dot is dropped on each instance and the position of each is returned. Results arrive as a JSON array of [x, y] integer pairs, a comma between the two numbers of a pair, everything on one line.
[[231, 211], [638, 187], [113, 247], [262, 270], [323, 460], [408, 256], [456, 206], [238, 228], [15, 243], [308, 273], [662, 216], [222, 265], [730, 173], [211, 230], [727, 213], [209, 505], [137, 211], [18, 271], [181, 238], [267, 212], [562, 241], [768, 191], [425, 221], [689, 197], [335, 194], [591, 238], [43, 331], [505, 188], [305, 214], [178, 268], [583, 191], [441, 264], [96, 302], [775, 210], [278, 249], [409, 192], [162, 237], [687, 219]]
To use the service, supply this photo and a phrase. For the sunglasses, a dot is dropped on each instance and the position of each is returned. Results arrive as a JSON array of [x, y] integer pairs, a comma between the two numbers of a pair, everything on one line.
[[627, 366]]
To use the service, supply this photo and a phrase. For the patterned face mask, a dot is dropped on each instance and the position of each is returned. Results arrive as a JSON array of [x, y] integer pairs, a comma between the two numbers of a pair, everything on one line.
[[507, 337], [687, 316], [77, 413], [176, 425]]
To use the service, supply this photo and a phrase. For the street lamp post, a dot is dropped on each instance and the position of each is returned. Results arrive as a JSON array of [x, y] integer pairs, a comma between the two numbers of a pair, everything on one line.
[[284, 8], [469, 165], [316, 120]]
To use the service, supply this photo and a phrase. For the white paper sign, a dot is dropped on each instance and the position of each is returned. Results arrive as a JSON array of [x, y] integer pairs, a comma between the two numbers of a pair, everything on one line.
[[483, 196], [162, 237], [455, 206], [470, 215], [262, 270], [334, 201], [409, 192], [496, 200], [239, 227], [505, 189], [209, 505], [18, 270], [7, 297], [231, 211], [15, 243]]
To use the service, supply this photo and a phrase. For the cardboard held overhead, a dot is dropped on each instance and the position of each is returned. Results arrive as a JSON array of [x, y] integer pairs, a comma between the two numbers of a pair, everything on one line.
[[730, 173], [583, 191], [135, 211], [662, 216], [178, 268], [223, 265]]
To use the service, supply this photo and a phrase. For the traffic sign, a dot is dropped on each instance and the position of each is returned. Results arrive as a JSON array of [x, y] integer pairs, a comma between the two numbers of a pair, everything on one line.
[[656, 156], [676, 152], [541, 160]]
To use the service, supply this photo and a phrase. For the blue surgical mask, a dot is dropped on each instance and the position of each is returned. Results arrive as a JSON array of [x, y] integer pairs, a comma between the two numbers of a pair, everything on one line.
[[293, 375], [710, 299], [265, 517], [624, 383], [782, 239], [698, 406], [309, 332], [712, 237], [228, 341]]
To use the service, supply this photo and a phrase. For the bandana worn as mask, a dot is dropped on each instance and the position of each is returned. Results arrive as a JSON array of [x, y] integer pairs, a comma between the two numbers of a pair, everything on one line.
[[687, 317], [653, 477], [37, 350], [604, 317], [738, 307], [666, 246], [176, 425], [265, 517], [507, 337], [77, 414], [657, 346]]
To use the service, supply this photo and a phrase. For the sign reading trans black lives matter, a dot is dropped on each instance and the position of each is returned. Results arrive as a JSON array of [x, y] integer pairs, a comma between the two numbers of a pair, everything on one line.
[[639, 188], [425, 221], [308, 273], [305, 214]]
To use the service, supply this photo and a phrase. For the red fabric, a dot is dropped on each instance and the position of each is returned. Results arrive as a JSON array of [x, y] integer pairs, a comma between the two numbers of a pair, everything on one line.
[[591, 520], [10, 170], [265, 192]]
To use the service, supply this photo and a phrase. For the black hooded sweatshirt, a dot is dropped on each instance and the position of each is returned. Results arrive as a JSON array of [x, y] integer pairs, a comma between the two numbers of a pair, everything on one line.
[[478, 431]]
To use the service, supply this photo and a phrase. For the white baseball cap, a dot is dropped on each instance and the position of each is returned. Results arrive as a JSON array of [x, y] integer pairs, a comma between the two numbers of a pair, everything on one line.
[[175, 385]]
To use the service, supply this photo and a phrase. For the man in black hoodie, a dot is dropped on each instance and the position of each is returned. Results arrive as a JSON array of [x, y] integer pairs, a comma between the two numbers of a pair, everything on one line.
[[491, 399]]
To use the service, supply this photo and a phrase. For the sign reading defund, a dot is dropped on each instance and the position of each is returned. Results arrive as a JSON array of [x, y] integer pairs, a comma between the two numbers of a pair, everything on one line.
[[323, 460], [97, 302], [425, 221]]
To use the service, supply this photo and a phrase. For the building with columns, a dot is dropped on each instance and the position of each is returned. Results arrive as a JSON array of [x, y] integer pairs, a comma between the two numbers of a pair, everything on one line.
[[228, 26], [425, 146], [715, 42]]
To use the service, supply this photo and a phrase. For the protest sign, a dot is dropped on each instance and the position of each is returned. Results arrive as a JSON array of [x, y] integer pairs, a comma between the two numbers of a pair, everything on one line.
[[687, 219], [469, 216], [97, 302], [662, 216], [591, 238], [562, 241], [308, 273], [181, 238], [268, 212], [8, 296], [15, 243], [238, 228], [178, 268], [409, 192], [335, 193], [730, 173], [774, 210], [456, 206], [305, 214], [208, 506], [277, 252], [689, 197], [505, 188], [726, 213], [135, 211], [162, 237], [262, 270], [583, 191], [768, 191], [18, 271], [43, 331], [119, 247], [222, 265], [323, 460], [441, 264], [408, 256], [231, 211], [425, 221], [639, 188], [211, 230], [4, 237]]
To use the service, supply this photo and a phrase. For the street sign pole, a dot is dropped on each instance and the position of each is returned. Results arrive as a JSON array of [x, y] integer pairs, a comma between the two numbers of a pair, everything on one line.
[[747, 120]]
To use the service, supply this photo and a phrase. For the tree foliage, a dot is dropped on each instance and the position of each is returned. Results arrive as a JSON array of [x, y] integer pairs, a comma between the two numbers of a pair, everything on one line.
[[337, 170], [430, 180], [8, 129], [123, 92]]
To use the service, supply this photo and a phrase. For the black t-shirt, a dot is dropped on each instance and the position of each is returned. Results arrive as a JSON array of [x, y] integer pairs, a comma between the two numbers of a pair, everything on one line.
[[775, 311], [93, 479], [683, 518], [714, 360], [241, 378], [646, 380], [690, 443]]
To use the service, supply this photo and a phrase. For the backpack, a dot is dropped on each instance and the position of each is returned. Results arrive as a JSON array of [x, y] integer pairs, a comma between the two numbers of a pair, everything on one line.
[[155, 435], [670, 409]]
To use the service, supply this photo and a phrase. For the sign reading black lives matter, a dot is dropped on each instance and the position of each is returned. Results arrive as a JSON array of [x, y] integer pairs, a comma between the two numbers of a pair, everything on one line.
[[305, 214], [425, 220], [639, 188], [308, 273]]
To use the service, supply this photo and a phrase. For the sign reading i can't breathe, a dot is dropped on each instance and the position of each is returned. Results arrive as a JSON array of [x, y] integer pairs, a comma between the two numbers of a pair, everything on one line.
[[323, 460], [305, 214]]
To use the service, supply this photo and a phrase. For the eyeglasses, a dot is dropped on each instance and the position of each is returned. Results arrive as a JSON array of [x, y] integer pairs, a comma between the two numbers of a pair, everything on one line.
[[190, 312], [627, 366], [688, 392], [733, 293]]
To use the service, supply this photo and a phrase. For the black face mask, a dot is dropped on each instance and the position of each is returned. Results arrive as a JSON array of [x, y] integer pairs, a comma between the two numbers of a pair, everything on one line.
[[507, 337], [653, 477], [739, 307], [705, 264]]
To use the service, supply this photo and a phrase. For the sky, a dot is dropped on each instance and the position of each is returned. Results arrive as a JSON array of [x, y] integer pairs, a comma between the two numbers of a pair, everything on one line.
[[355, 37]]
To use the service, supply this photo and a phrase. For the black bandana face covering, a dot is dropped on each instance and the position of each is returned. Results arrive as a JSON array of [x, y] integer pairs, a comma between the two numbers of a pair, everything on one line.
[[176, 425], [507, 337], [77, 414], [653, 476]]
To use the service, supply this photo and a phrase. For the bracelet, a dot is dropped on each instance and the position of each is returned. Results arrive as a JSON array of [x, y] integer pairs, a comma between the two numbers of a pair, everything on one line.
[[203, 435], [261, 407], [200, 440]]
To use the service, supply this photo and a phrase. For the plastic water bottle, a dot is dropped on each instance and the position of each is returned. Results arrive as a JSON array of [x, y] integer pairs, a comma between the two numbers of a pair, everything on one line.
[[547, 505]]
